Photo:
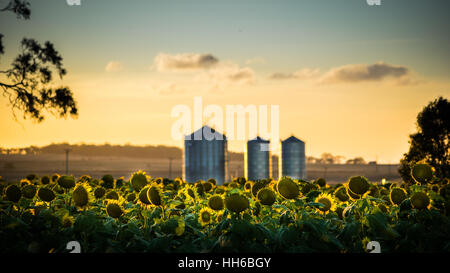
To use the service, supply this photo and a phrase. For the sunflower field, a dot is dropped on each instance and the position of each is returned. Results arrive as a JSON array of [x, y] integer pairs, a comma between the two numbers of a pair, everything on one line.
[[145, 214]]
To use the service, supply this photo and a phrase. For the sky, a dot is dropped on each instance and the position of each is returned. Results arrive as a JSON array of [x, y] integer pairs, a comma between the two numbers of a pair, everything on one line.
[[348, 78]]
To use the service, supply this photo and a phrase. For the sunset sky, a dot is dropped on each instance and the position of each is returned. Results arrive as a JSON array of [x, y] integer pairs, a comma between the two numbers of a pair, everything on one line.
[[349, 78]]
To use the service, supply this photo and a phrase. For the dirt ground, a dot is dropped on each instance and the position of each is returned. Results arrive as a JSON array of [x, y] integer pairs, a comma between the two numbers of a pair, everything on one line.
[[15, 167]]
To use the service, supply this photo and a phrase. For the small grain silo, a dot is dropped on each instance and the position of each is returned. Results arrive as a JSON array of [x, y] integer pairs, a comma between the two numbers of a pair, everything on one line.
[[292, 161], [257, 157], [205, 156]]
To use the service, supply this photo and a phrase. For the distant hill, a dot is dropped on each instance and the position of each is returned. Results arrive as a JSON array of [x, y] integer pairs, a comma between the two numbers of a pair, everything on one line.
[[107, 150]]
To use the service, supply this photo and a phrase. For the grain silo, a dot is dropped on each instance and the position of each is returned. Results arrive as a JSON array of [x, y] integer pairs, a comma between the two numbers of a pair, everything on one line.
[[205, 156], [293, 160], [258, 163]]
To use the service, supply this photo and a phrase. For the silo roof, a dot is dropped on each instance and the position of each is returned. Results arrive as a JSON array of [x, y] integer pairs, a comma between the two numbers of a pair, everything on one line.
[[217, 135], [259, 139], [292, 139]]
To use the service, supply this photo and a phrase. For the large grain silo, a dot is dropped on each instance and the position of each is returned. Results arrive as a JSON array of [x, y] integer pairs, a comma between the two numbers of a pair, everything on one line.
[[205, 156], [258, 163], [293, 160]]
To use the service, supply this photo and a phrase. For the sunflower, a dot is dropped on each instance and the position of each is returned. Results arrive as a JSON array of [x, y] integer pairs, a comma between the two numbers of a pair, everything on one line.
[[327, 200], [45, 180], [248, 186], [288, 188], [139, 180], [154, 194], [266, 196], [236, 202], [205, 216], [420, 200], [66, 182], [29, 191], [190, 192], [397, 195], [114, 208], [422, 173], [341, 194], [13, 193], [143, 199], [82, 194], [215, 202], [99, 192], [358, 185], [112, 194], [46, 194]]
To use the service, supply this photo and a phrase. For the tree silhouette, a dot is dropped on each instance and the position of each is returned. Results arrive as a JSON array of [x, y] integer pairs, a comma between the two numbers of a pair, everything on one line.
[[29, 78], [431, 142]]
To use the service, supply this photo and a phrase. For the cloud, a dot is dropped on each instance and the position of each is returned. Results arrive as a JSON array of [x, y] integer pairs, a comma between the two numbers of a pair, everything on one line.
[[302, 74], [364, 72], [257, 60], [232, 73], [113, 66], [184, 61]]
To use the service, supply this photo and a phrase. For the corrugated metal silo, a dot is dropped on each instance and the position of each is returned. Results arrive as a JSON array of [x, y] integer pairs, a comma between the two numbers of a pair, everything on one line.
[[205, 156], [293, 160], [258, 163]]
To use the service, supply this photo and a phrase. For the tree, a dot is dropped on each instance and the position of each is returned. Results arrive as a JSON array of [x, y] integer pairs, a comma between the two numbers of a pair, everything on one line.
[[430, 144], [28, 80], [356, 161]]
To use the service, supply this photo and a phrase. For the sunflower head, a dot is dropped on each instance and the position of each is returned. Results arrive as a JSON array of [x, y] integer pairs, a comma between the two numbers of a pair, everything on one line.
[[327, 201], [288, 188], [257, 186], [341, 194], [32, 177], [248, 186], [212, 181], [241, 180], [131, 197], [143, 199], [358, 185], [81, 195], [420, 200], [107, 181], [112, 194], [29, 191], [99, 192], [397, 195], [422, 173], [13, 193], [321, 182], [220, 190], [55, 177], [66, 181], [24, 182], [154, 195], [139, 180], [236, 202], [205, 216], [46, 194], [215, 202], [114, 209], [266, 196], [208, 186], [45, 180]]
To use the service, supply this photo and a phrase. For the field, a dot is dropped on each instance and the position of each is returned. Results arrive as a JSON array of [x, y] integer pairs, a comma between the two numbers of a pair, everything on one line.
[[152, 214], [15, 167]]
